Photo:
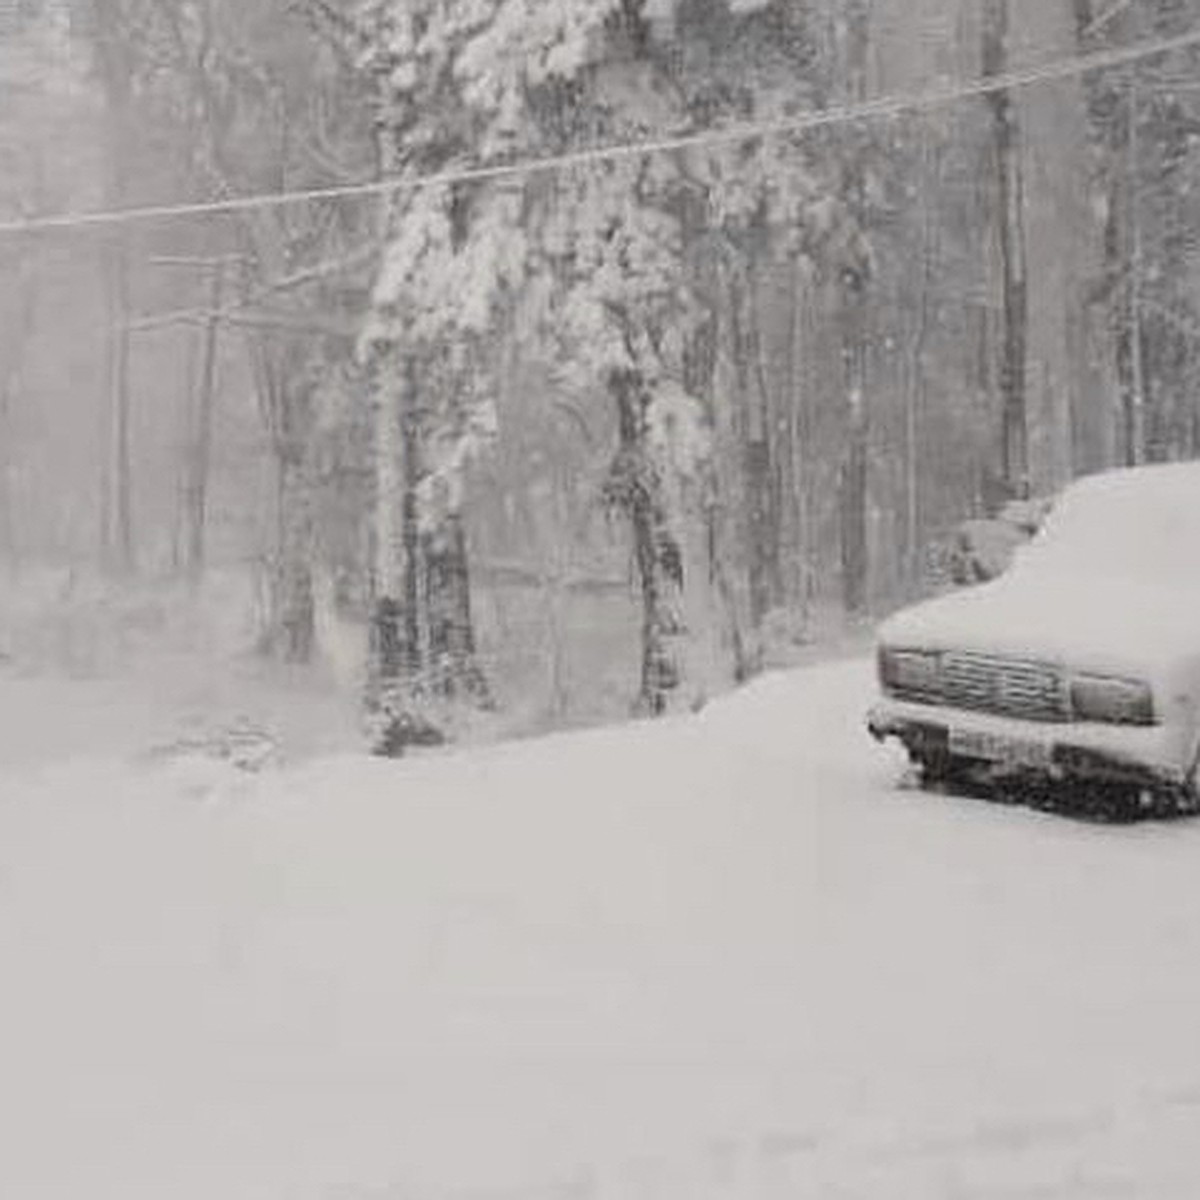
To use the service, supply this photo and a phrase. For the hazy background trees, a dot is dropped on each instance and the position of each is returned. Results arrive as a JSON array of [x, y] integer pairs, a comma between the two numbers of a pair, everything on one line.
[[545, 446]]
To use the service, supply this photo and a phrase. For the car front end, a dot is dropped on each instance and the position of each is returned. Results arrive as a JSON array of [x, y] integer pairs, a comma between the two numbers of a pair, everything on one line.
[[1012, 681], [1005, 715], [1080, 663]]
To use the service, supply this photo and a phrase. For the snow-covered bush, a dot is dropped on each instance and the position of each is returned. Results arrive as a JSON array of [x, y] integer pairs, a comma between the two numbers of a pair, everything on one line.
[[983, 547]]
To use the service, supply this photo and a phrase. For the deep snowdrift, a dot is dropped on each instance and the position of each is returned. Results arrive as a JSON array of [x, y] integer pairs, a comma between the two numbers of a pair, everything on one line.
[[717, 957]]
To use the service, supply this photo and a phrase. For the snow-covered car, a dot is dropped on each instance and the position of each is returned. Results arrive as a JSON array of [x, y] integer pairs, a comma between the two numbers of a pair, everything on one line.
[[1080, 664]]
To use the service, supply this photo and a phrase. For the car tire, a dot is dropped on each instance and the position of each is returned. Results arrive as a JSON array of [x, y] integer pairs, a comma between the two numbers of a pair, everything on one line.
[[1118, 803], [1181, 801]]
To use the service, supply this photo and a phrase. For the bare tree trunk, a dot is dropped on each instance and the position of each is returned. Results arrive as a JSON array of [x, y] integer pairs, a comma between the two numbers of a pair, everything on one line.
[[117, 548], [423, 642], [290, 416], [119, 537], [389, 653], [803, 344], [915, 395], [292, 602], [853, 509], [1133, 390], [762, 468], [1010, 192], [635, 487], [14, 339], [854, 280], [452, 652], [179, 525], [200, 449], [793, 516], [288, 404], [855, 478], [8, 524], [410, 535], [397, 640], [699, 367], [397, 651], [395, 637], [1116, 261], [761, 517]]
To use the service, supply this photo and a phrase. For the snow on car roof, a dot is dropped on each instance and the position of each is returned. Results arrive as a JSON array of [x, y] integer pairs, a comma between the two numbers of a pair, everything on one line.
[[1135, 520], [1177, 480], [1111, 583]]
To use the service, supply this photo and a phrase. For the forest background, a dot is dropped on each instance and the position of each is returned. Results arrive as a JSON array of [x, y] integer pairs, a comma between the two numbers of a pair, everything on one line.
[[521, 449]]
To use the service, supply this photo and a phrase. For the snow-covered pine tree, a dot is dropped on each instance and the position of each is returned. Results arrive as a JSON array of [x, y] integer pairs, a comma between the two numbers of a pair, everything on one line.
[[597, 263], [636, 258], [452, 261]]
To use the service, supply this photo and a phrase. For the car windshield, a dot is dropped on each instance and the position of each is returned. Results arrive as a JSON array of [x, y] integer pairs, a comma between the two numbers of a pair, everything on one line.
[[1141, 527]]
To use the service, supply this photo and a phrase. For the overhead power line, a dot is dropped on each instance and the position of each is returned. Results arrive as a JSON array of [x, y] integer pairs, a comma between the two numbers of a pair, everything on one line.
[[883, 106]]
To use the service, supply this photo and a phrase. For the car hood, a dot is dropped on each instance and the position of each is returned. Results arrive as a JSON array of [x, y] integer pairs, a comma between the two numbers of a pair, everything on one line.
[[1086, 622]]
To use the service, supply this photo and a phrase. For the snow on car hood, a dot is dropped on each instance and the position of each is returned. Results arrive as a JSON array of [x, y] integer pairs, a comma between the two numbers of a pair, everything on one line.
[[1091, 622]]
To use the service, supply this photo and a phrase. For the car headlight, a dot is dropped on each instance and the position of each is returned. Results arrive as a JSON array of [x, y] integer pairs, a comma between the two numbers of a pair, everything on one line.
[[913, 672], [1111, 699]]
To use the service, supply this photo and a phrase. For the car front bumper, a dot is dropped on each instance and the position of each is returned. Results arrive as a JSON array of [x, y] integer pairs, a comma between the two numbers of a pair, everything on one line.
[[1153, 755]]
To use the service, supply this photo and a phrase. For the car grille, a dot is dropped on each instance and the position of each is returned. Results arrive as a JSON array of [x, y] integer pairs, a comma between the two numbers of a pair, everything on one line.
[[1034, 691], [1011, 687]]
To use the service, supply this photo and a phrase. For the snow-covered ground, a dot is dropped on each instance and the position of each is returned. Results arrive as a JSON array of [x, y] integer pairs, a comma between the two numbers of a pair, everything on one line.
[[723, 956]]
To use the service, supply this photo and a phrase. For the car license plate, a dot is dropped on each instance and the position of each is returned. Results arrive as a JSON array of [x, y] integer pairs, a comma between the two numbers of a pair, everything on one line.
[[996, 747]]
